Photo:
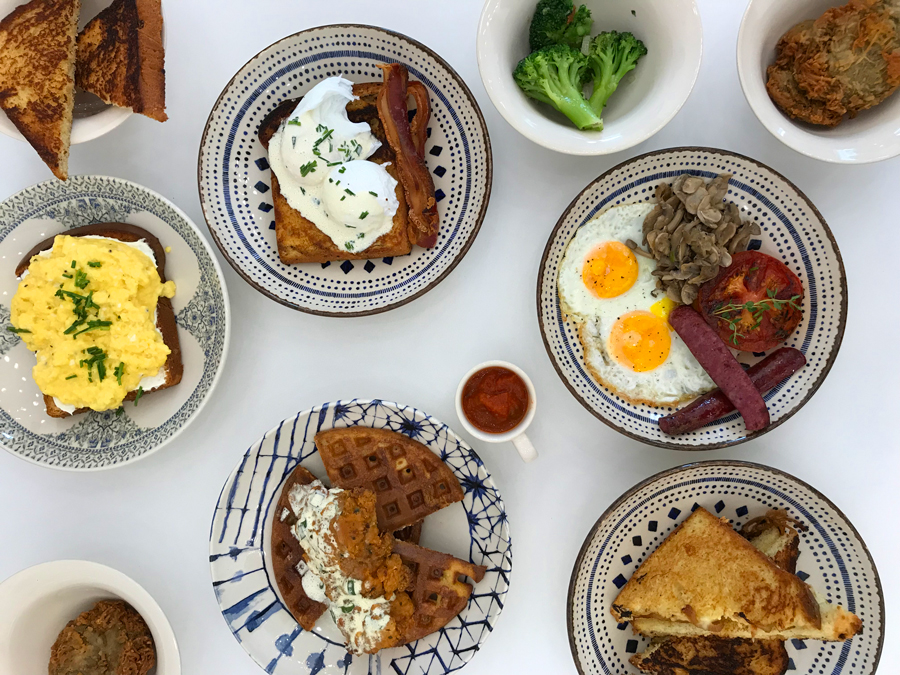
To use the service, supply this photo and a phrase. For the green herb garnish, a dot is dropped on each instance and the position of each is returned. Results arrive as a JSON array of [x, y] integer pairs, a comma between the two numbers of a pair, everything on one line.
[[137, 397], [119, 371], [95, 263], [294, 123], [362, 216], [348, 245], [81, 280], [732, 313], [351, 588], [13, 329], [374, 194], [73, 265], [98, 357], [347, 609], [309, 167], [71, 377], [349, 192]]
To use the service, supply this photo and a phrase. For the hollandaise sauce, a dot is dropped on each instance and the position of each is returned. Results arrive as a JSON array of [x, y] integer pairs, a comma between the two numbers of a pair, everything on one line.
[[87, 309]]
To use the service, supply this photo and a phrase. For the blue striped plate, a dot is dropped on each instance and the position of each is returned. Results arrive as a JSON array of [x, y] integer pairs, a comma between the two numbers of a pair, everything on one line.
[[240, 540], [793, 231], [235, 186]]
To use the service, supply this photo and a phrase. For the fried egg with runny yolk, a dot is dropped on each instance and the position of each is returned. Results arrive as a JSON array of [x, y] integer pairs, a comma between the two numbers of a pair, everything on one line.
[[608, 291]]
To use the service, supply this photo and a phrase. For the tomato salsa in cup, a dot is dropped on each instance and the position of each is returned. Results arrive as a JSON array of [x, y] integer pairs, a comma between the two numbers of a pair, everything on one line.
[[495, 400]]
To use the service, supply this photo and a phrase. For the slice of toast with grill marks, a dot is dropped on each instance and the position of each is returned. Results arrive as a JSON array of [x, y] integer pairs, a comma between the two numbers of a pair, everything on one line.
[[37, 76]]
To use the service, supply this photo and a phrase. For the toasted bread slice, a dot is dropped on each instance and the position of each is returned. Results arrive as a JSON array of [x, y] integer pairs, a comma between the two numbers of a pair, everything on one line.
[[165, 315], [299, 240], [706, 579], [409, 481], [120, 57], [37, 76], [713, 655]]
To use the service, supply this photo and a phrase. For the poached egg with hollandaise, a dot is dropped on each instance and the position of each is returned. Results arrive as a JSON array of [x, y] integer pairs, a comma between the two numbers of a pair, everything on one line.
[[318, 156], [87, 309]]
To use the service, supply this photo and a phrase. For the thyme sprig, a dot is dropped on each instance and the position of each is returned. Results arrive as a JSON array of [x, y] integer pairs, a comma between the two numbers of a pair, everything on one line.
[[732, 313]]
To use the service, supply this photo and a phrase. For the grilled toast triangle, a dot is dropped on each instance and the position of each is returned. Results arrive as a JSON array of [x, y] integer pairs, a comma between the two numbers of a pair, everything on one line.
[[121, 57], [37, 76], [705, 579]]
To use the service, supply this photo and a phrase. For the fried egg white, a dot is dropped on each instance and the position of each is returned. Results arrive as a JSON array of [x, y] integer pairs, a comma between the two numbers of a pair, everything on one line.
[[607, 290]]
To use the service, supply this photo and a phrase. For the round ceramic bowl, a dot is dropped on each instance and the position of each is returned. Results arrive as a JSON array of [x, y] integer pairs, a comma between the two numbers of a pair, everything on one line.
[[234, 176], [647, 98], [241, 535], [37, 603], [101, 440], [92, 117], [792, 231], [833, 560], [872, 136]]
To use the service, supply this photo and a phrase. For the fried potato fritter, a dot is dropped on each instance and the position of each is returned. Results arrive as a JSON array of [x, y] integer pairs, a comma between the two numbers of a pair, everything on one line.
[[846, 61], [110, 639]]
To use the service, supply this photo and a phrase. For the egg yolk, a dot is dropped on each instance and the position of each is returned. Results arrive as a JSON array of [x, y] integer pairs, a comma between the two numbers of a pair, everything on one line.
[[662, 308], [610, 269], [640, 341]]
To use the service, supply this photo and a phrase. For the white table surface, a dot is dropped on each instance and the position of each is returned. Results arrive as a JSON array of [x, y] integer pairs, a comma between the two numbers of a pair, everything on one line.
[[151, 519]]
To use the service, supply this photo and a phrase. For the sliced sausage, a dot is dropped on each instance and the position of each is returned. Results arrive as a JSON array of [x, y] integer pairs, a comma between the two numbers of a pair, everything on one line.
[[717, 360], [764, 375]]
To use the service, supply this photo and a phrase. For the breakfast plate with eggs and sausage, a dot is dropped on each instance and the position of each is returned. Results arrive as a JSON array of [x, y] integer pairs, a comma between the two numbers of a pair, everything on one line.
[[114, 322], [692, 298], [345, 170]]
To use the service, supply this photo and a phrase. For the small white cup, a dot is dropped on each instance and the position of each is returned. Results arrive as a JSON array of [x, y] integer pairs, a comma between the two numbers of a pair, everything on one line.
[[517, 435]]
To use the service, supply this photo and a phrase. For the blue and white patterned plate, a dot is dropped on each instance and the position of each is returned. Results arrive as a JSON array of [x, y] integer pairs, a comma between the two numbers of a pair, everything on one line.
[[792, 231], [234, 178], [833, 559], [240, 539], [103, 440]]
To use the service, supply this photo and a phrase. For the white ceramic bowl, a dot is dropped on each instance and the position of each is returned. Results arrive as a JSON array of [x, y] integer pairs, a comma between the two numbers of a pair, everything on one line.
[[647, 98], [92, 117], [872, 136], [37, 603]]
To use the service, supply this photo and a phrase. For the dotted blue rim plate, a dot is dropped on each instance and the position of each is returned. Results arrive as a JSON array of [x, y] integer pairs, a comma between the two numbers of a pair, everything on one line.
[[793, 231], [234, 179], [833, 559], [240, 545], [93, 440]]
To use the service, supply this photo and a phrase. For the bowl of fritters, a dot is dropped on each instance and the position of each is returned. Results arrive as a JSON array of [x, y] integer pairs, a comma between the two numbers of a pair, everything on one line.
[[75, 616], [821, 76]]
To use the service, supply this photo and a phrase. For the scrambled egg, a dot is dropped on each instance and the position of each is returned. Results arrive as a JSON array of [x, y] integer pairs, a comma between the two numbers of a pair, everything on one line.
[[88, 311]]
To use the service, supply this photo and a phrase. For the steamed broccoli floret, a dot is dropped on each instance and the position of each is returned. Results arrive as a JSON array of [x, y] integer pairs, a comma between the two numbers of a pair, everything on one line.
[[611, 56], [555, 75], [557, 22]]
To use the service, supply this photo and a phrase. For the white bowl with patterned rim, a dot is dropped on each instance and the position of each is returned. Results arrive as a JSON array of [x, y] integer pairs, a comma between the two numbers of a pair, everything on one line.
[[833, 559], [95, 440], [234, 178], [792, 231], [240, 539]]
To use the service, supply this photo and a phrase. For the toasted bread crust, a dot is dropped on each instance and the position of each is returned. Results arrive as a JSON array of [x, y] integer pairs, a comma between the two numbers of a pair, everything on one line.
[[299, 240], [707, 576], [37, 76], [121, 57], [165, 314]]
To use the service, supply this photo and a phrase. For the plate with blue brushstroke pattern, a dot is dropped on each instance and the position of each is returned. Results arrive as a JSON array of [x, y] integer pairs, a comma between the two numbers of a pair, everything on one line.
[[475, 529]]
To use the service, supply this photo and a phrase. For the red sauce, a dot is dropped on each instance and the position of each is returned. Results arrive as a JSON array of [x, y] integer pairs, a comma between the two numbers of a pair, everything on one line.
[[495, 400]]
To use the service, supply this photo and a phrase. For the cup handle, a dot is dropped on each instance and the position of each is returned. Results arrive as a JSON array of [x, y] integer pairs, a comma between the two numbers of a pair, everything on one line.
[[526, 450]]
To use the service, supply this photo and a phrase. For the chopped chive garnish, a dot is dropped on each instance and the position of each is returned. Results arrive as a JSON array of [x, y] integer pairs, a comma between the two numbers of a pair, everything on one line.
[[348, 245], [71, 377], [140, 392], [73, 265], [120, 370], [95, 263], [66, 276], [374, 194], [81, 279], [362, 216], [344, 197], [349, 192], [342, 169], [119, 411], [13, 329], [294, 123], [309, 167], [97, 359]]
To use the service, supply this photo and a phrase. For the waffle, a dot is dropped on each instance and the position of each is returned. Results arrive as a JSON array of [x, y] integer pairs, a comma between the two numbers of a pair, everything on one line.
[[408, 480], [437, 590], [286, 553]]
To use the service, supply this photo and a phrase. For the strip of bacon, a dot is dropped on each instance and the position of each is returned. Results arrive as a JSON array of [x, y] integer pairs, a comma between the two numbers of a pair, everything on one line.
[[414, 176], [419, 124]]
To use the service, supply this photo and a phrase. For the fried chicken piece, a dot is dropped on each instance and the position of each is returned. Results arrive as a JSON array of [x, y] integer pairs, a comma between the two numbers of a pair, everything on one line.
[[110, 639], [846, 61]]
